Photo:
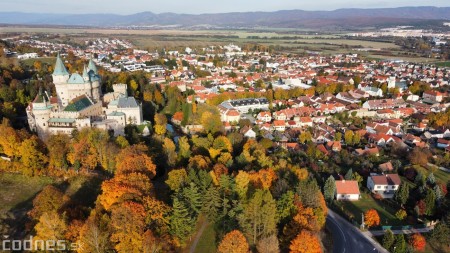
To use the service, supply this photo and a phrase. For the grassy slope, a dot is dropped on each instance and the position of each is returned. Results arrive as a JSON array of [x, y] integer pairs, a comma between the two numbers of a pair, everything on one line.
[[17, 191]]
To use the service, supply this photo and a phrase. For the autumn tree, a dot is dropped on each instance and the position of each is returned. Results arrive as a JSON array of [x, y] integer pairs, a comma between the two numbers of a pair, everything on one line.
[[160, 124], [417, 241], [58, 148], [348, 137], [184, 149], [51, 226], [176, 179], [169, 151], [127, 220], [371, 218], [305, 242], [268, 245], [211, 122], [31, 156], [48, 200], [233, 242]]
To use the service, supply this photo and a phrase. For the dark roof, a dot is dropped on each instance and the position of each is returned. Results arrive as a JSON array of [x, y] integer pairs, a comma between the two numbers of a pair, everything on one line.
[[128, 102], [248, 101], [388, 179], [78, 104]]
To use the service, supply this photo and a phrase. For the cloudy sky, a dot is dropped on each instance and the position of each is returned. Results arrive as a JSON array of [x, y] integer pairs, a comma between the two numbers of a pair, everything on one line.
[[198, 6]]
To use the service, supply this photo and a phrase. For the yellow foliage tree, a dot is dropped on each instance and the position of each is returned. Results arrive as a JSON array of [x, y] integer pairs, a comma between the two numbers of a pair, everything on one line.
[[233, 242]]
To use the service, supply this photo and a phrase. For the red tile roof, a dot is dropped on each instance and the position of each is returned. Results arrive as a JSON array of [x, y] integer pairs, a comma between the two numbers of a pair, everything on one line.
[[347, 187]]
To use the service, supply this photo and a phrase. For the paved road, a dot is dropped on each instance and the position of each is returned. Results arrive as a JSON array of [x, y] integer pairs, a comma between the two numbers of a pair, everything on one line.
[[348, 239]]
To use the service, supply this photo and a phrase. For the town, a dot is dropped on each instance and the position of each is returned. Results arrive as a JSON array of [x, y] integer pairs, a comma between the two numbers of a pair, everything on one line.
[[219, 147]]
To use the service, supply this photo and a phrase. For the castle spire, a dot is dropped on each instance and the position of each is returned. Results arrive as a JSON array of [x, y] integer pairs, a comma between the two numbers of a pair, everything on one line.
[[91, 66], [85, 72], [60, 69]]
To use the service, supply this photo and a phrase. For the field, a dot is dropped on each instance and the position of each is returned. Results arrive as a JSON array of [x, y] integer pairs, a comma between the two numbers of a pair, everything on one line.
[[387, 213], [17, 191], [283, 40]]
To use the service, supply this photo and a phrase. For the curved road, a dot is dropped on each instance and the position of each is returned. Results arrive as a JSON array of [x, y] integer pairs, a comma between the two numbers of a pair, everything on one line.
[[348, 239]]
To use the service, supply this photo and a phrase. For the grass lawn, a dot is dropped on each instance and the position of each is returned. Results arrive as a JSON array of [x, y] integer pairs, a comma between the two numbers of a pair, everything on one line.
[[387, 213], [17, 191], [441, 176], [207, 242]]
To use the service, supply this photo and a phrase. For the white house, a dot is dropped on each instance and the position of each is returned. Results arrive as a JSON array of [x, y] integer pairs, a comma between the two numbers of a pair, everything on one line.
[[347, 190], [384, 185], [264, 116]]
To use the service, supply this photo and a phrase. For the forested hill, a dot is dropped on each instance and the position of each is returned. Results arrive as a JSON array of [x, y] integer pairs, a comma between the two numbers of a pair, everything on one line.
[[343, 18]]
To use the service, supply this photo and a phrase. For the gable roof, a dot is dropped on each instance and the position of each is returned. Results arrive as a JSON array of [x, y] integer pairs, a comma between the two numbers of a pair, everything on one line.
[[347, 187], [388, 179]]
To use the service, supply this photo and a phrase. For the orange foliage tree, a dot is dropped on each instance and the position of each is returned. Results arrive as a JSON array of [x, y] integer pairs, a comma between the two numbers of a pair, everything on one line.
[[371, 218], [233, 242], [305, 242], [418, 242]]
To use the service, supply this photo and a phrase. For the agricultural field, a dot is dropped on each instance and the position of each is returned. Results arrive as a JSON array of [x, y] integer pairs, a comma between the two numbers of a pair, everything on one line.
[[291, 40]]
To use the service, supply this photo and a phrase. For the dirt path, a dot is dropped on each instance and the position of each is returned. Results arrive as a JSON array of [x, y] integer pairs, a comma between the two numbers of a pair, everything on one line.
[[199, 234]]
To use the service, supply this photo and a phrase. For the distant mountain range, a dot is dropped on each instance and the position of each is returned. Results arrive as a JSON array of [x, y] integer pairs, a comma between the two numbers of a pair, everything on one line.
[[341, 18]]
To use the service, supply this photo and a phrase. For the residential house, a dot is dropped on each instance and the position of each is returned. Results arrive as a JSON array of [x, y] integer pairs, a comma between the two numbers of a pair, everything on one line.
[[264, 116], [386, 167], [432, 96], [384, 185], [279, 125], [347, 190]]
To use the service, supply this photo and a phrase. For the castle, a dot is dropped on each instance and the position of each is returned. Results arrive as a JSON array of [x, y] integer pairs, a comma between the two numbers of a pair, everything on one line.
[[79, 103]]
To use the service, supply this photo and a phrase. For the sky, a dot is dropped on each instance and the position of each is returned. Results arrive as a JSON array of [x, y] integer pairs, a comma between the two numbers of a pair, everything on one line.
[[198, 6]]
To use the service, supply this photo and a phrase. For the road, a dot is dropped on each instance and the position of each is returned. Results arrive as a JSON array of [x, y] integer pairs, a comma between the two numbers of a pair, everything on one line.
[[348, 239]]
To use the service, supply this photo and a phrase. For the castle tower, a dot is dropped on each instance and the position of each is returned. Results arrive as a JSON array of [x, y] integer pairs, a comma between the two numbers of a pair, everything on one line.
[[41, 109], [60, 76]]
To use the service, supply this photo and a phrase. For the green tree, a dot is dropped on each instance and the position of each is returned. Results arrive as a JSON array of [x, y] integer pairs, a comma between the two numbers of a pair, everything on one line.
[[399, 245], [211, 203], [431, 179], [440, 233], [388, 239], [258, 219], [349, 175], [181, 223], [402, 195], [192, 198], [338, 136], [430, 201], [329, 189]]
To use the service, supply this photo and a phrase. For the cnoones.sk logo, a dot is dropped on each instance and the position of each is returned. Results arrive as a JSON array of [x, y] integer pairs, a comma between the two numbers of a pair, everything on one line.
[[33, 244]]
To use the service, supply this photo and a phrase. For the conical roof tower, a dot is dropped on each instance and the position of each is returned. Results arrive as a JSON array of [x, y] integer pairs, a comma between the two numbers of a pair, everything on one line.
[[60, 69], [91, 66]]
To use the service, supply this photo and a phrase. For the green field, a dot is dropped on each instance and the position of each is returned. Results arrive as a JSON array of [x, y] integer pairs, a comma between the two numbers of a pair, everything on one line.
[[17, 191], [207, 242], [387, 213]]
